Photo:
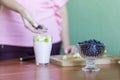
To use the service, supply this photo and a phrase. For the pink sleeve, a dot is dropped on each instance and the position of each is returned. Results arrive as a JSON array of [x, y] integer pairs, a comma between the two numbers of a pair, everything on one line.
[[60, 3]]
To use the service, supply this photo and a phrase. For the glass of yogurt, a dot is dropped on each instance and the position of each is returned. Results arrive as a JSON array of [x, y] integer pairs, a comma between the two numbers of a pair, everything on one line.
[[42, 48]]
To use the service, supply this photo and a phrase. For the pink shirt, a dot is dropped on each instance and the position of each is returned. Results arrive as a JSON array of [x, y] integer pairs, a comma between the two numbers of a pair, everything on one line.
[[12, 30]]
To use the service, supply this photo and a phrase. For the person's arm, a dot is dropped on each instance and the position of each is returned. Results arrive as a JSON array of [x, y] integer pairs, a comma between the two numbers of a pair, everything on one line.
[[13, 5], [29, 22], [65, 32]]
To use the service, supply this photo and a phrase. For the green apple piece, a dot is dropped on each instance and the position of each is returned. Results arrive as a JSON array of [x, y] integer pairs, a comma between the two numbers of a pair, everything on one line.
[[41, 38], [76, 55], [48, 39], [66, 57], [36, 39], [118, 62]]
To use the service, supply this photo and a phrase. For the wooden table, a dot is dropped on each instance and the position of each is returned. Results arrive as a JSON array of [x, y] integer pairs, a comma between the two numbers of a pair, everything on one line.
[[27, 70]]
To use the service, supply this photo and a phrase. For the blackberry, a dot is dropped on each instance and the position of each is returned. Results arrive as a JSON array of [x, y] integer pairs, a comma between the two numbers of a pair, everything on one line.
[[39, 27], [91, 48]]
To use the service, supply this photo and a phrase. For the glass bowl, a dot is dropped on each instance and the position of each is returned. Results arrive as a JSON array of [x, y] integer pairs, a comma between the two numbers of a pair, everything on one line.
[[90, 50]]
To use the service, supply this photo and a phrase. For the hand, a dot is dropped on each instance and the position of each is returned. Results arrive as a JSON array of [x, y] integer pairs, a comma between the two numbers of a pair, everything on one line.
[[30, 23], [70, 49]]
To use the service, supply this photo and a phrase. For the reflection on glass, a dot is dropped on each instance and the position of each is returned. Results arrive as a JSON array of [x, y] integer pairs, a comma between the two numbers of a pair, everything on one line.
[[90, 75], [42, 73]]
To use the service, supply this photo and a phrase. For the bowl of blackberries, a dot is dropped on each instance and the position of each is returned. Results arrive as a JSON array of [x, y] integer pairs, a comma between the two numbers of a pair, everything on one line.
[[90, 50]]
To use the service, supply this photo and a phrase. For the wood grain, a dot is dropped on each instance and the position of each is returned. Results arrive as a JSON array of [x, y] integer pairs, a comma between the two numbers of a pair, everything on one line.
[[57, 59], [16, 70]]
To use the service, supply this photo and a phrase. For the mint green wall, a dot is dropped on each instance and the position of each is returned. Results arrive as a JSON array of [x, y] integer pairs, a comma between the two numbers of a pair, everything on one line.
[[96, 19]]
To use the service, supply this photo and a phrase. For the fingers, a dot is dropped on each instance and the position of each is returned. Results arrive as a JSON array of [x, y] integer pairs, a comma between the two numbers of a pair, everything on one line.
[[70, 50], [41, 27], [38, 29], [27, 15], [31, 24]]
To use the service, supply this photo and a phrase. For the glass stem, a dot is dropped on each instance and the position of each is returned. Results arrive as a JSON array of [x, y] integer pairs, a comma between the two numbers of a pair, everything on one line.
[[90, 62]]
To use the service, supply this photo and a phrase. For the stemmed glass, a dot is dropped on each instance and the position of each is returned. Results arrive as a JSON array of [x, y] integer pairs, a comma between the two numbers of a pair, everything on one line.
[[90, 50]]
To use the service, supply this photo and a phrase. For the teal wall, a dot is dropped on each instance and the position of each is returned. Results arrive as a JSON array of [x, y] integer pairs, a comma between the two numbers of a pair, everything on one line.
[[96, 19]]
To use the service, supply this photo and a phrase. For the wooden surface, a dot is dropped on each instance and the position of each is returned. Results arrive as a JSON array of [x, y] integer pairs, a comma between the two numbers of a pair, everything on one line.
[[16, 70], [58, 59]]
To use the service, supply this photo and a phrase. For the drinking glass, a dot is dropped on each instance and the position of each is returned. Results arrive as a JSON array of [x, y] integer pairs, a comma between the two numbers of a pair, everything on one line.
[[42, 49]]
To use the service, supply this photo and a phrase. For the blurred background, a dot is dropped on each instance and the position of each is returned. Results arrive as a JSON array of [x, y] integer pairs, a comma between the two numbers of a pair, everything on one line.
[[96, 19]]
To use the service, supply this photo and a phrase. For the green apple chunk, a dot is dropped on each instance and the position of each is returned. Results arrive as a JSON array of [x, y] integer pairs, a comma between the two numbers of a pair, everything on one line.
[[42, 38]]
